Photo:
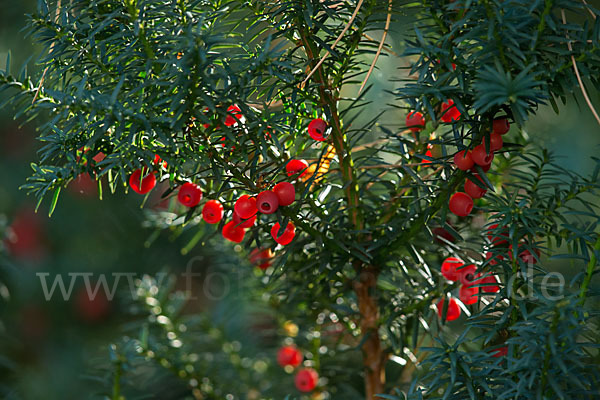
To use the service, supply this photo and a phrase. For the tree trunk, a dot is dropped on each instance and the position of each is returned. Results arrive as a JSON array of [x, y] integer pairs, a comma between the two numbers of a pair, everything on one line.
[[373, 358]]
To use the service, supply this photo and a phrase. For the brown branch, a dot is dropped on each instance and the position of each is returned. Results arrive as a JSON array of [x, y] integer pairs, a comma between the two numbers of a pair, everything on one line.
[[374, 358], [369, 145], [583, 91], [385, 31], [341, 35]]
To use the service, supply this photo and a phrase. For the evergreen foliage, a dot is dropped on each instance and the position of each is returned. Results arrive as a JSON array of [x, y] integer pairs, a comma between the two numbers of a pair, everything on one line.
[[136, 78]]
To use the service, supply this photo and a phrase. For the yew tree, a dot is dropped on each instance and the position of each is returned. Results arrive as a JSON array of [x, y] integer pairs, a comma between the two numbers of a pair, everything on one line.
[[403, 234]]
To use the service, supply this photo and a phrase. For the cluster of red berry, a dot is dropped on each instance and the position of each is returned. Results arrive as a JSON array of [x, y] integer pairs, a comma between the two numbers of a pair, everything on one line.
[[498, 239], [461, 203], [246, 207], [306, 378], [471, 281], [266, 202], [415, 121]]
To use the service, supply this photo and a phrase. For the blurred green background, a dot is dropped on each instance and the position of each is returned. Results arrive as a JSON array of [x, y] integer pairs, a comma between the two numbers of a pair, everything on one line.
[[47, 347]]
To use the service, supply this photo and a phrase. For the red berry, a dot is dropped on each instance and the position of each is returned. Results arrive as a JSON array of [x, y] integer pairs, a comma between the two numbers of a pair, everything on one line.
[[415, 121], [473, 190], [449, 268], [189, 194], [461, 204], [463, 160], [306, 379], [212, 212], [480, 156], [157, 162], [99, 157], [267, 202], [489, 284], [501, 125], [316, 129], [236, 115], [286, 193], [287, 236], [468, 294], [429, 154], [467, 274], [485, 168], [92, 308], [243, 223], [496, 141], [261, 257], [449, 112], [453, 311], [526, 256], [233, 233], [495, 235], [289, 355], [442, 236], [142, 185], [491, 259], [84, 184], [453, 64], [500, 352], [245, 207], [294, 167]]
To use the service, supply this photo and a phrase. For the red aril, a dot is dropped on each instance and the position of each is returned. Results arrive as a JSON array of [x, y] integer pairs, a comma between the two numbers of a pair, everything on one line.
[[267, 202], [449, 268], [453, 311], [500, 352], [497, 236], [442, 235], [415, 121], [212, 212], [289, 355], [449, 112], [306, 379], [460, 204], [500, 125], [474, 190], [496, 141], [294, 167], [468, 294], [142, 184], [287, 236], [233, 233], [481, 157], [286, 193], [261, 258], [489, 284], [467, 274], [463, 160], [317, 128], [245, 207], [189, 194], [234, 114], [243, 223]]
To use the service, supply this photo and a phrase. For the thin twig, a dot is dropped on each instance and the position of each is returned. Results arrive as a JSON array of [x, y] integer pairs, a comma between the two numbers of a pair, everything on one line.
[[37, 90], [385, 31], [316, 67], [385, 46], [583, 91], [587, 7], [391, 166], [369, 145]]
